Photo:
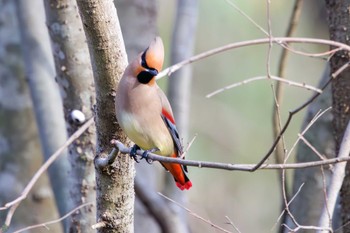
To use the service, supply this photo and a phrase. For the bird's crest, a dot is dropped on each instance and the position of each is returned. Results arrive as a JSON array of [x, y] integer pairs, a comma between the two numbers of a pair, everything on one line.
[[153, 56]]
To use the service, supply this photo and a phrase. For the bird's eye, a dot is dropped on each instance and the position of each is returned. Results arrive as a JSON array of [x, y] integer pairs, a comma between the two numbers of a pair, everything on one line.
[[144, 77]]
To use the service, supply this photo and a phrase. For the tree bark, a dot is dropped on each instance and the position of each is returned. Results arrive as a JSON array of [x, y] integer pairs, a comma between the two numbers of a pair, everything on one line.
[[75, 78], [19, 139], [339, 24], [45, 95], [115, 185]]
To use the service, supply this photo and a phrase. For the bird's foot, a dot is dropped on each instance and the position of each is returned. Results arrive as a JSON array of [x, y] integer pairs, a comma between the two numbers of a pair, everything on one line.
[[145, 155], [133, 153]]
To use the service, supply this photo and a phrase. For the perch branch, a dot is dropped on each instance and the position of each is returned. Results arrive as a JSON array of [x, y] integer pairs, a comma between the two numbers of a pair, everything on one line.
[[228, 166]]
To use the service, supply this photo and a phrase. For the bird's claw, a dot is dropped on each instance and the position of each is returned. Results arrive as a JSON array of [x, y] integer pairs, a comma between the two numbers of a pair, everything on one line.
[[145, 156], [133, 153]]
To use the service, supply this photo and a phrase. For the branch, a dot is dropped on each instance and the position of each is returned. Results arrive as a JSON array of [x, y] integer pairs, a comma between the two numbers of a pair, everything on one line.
[[227, 166], [54, 221], [292, 113], [337, 180], [278, 94], [14, 204], [195, 215], [277, 40], [281, 80]]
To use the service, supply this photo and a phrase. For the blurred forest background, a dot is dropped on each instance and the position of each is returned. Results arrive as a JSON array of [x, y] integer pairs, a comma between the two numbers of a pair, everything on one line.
[[232, 127]]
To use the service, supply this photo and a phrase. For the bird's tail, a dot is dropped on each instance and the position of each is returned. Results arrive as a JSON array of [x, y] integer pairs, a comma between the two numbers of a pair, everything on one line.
[[177, 170]]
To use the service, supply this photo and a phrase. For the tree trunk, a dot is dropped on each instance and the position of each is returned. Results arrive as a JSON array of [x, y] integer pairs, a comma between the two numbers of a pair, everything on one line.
[[19, 139], [115, 183], [45, 95], [339, 24], [74, 76]]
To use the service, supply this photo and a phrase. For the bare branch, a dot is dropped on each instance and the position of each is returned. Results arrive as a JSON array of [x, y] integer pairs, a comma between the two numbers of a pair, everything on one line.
[[188, 146], [280, 151], [232, 224], [247, 17], [322, 157], [228, 166], [101, 162], [268, 57], [314, 119], [54, 221], [195, 215], [282, 80], [287, 206], [276, 40], [14, 204], [295, 111]]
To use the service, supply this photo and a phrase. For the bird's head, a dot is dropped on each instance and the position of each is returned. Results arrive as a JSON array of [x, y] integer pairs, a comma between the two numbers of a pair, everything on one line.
[[150, 62]]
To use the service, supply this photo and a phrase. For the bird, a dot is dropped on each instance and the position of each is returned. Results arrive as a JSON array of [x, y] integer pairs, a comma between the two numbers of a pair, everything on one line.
[[144, 112]]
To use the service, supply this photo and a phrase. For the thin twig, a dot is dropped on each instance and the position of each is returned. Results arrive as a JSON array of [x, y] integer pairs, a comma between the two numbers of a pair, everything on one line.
[[329, 53], [295, 111], [314, 119], [276, 40], [322, 157], [53, 221], [14, 204], [324, 183], [276, 115], [282, 80], [281, 150], [232, 224], [288, 204], [247, 17], [188, 146], [195, 215], [268, 57]]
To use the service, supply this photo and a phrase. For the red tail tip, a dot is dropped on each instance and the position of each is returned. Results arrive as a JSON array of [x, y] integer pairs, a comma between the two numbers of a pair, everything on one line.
[[186, 186]]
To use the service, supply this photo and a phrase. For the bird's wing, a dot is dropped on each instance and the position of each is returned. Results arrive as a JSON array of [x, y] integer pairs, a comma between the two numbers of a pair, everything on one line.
[[168, 118]]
